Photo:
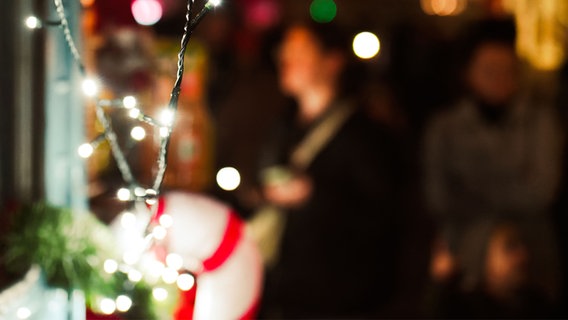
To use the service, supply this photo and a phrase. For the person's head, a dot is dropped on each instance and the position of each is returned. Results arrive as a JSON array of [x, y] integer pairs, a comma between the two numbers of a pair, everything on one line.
[[311, 55], [491, 70]]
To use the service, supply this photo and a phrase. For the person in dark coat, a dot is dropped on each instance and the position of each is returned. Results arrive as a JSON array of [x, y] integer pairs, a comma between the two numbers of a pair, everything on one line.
[[329, 170]]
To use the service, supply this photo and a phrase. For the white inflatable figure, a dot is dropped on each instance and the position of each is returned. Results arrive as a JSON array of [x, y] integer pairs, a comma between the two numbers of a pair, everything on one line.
[[212, 242]]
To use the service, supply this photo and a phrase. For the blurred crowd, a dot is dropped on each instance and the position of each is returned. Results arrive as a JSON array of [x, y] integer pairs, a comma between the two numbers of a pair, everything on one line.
[[365, 209]]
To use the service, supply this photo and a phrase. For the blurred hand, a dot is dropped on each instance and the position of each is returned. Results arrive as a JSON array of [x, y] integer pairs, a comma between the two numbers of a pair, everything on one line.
[[292, 193], [442, 264]]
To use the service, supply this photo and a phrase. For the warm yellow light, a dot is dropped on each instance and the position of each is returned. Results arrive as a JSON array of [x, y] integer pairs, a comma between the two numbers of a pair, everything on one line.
[[366, 45], [134, 113], [90, 87], [185, 282], [123, 194], [443, 7], [228, 178], [85, 150], [23, 313], [160, 294], [110, 266], [159, 232], [127, 220], [174, 261], [129, 102], [33, 22], [138, 133], [170, 275], [107, 306], [134, 275], [166, 220], [87, 3], [123, 303]]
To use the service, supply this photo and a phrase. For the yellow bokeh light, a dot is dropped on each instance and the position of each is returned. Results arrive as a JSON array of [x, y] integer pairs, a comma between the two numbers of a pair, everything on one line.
[[228, 178], [366, 45]]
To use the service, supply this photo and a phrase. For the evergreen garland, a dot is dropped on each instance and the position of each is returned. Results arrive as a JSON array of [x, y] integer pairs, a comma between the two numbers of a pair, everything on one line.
[[71, 249]]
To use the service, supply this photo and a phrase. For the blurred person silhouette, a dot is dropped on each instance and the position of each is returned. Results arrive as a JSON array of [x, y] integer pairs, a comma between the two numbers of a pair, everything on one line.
[[492, 275], [496, 150], [327, 169]]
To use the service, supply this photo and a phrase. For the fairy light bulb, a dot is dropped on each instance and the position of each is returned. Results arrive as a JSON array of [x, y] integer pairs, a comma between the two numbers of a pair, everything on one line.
[[174, 261], [160, 294], [159, 232], [170, 275], [185, 282], [129, 102], [366, 45], [151, 197], [134, 113], [146, 12], [110, 266], [123, 303], [23, 313], [134, 275], [127, 220], [214, 3], [107, 306], [32, 22], [138, 133], [166, 221], [123, 194], [85, 150], [139, 191], [228, 178], [90, 87], [166, 117], [164, 132]]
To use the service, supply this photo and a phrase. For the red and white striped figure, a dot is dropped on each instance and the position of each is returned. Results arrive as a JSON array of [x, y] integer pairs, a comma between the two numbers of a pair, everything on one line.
[[211, 240]]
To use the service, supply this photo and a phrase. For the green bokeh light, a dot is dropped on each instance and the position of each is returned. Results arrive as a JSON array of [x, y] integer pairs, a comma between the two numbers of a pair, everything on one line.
[[323, 11]]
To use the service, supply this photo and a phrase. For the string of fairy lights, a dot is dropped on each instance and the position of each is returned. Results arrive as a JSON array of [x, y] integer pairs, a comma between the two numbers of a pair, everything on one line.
[[137, 261]]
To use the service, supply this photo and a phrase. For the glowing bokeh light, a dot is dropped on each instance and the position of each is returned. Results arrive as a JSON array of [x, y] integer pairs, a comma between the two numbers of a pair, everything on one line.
[[174, 261], [134, 275], [443, 7], [228, 178], [160, 294], [123, 303], [127, 220], [159, 232], [146, 12], [129, 102], [169, 275], [123, 194], [366, 45], [185, 282], [87, 3], [166, 220], [323, 11], [23, 313], [110, 266], [138, 133], [166, 117], [107, 306], [32, 22], [134, 113], [164, 132], [85, 150], [90, 87]]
